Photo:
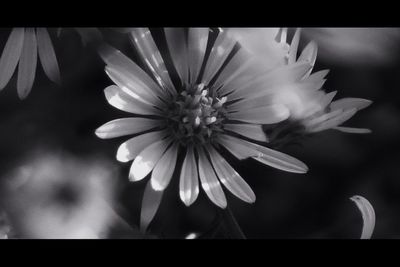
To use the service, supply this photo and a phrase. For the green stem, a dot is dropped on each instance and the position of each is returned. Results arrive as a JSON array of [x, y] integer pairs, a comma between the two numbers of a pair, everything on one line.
[[231, 224]]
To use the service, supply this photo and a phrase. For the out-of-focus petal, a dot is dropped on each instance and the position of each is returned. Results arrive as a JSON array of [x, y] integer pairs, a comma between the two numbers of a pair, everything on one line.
[[47, 55]]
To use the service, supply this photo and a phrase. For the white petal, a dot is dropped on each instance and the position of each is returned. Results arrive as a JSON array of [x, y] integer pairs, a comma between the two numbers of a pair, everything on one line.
[[294, 47], [230, 178], [209, 181], [131, 72], [353, 130], [47, 55], [368, 216], [147, 159], [251, 131], [350, 103], [238, 66], [309, 54], [219, 53], [132, 86], [27, 64], [131, 148], [176, 42], [197, 44], [264, 115], [327, 99], [126, 102], [189, 179], [126, 126], [151, 56], [335, 121], [243, 149], [11, 54], [150, 204], [162, 173]]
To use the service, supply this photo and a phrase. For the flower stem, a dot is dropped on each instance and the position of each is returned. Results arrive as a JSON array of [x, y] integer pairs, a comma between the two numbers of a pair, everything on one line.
[[231, 224]]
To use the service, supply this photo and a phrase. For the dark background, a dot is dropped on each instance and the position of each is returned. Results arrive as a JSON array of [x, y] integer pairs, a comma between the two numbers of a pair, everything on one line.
[[314, 205]]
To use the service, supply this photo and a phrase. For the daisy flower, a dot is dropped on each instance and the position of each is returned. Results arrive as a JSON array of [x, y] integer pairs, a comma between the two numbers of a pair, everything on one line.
[[23, 48], [212, 108], [311, 108]]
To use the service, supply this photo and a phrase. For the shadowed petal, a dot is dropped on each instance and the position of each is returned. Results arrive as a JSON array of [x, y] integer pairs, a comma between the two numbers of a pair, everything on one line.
[[131, 148], [197, 44], [27, 64], [176, 42], [350, 103], [147, 159], [47, 55], [230, 178], [11, 54], [150, 204], [119, 99], [162, 173], [353, 130], [209, 181]]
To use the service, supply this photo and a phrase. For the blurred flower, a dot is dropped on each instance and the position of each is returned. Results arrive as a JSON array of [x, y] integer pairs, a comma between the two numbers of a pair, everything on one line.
[[311, 109], [211, 108], [22, 49], [356, 45], [4, 225], [59, 197]]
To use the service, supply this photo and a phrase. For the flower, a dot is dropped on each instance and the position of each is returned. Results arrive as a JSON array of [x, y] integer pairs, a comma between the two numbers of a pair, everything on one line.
[[53, 196], [310, 107], [22, 49], [213, 107]]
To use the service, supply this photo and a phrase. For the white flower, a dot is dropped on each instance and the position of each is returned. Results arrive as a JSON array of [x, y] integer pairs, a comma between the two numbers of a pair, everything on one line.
[[213, 107], [309, 105], [22, 49], [56, 196]]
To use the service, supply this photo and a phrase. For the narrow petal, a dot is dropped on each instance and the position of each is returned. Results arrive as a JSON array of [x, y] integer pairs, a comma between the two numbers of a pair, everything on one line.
[[189, 179], [252, 131], [131, 148], [230, 178], [368, 216], [119, 99], [350, 103], [264, 115], [129, 83], [27, 64], [327, 99], [151, 56], [47, 55], [197, 45], [147, 159], [209, 181], [243, 149], [294, 47], [335, 121], [131, 72], [178, 49], [219, 53], [150, 204], [162, 173], [353, 130], [309, 55], [126, 126], [11, 54]]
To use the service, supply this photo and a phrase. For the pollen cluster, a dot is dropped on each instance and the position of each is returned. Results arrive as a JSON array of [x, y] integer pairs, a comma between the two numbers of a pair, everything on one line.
[[196, 115]]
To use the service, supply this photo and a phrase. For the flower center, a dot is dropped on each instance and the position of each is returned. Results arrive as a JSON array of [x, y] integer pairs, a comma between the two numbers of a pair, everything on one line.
[[195, 115]]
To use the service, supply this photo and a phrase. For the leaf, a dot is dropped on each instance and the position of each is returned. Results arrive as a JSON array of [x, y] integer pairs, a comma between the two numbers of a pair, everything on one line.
[[150, 203], [27, 64], [47, 55], [368, 215], [11, 54]]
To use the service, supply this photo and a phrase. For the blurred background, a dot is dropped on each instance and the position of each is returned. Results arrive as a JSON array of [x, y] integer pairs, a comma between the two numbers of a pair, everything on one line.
[[48, 139]]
